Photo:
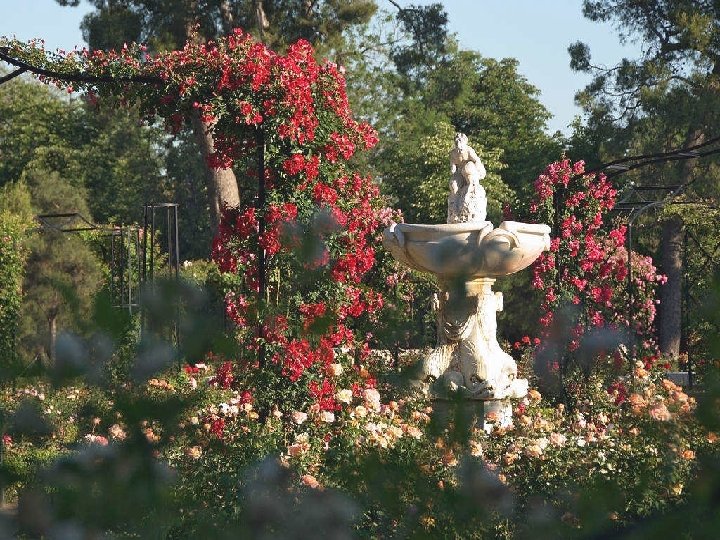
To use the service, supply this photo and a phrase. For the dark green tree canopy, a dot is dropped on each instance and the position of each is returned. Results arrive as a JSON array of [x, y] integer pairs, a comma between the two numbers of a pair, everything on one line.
[[166, 24], [107, 152]]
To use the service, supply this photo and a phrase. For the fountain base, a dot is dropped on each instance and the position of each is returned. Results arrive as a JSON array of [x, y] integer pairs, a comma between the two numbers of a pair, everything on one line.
[[481, 414], [469, 359]]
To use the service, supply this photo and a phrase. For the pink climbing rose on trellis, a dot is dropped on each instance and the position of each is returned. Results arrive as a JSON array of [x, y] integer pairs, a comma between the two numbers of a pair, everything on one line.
[[587, 262]]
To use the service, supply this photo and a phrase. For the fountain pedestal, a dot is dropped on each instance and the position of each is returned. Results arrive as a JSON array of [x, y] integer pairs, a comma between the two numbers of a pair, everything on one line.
[[469, 358]]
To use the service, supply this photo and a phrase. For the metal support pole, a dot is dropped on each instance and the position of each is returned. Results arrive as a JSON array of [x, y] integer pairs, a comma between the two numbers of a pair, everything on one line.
[[152, 243], [177, 245], [113, 269], [630, 313], [684, 311], [176, 264], [144, 243], [260, 139]]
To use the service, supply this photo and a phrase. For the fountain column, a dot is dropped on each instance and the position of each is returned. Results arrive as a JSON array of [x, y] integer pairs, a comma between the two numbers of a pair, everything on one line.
[[469, 358]]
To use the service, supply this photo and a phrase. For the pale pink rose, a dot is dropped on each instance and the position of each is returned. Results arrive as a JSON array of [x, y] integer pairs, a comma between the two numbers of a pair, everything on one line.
[[449, 458], [344, 395], [298, 449], [659, 412], [277, 413], [533, 451], [310, 481], [360, 411], [298, 417], [558, 439], [117, 433], [414, 432], [95, 439], [475, 449], [333, 370], [372, 399], [193, 452], [150, 435], [534, 395], [327, 416]]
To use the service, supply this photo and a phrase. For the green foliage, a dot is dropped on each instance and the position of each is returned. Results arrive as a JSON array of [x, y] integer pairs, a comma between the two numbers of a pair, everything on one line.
[[166, 25], [666, 99], [185, 172], [701, 219], [62, 272], [486, 99], [105, 152], [398, 470], [14, 223]]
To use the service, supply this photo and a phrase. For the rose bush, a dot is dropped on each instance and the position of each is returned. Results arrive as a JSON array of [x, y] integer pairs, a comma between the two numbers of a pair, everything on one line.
[[583, 277], [318, 226]]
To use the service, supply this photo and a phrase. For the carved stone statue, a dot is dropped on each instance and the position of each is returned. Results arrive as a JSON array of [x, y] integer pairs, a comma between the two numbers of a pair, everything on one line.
[[466, 201]]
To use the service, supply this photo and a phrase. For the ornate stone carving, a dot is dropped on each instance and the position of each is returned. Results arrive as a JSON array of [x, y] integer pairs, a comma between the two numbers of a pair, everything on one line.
[[467, 255], [469, 357], [467, 201]]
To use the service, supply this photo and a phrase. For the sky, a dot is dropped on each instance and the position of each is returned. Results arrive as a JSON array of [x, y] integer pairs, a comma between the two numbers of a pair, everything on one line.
[[536, 32]]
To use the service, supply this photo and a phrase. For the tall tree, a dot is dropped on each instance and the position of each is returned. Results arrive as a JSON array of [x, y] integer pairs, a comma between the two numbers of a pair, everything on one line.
[[666, 99], [104, 151], [486, 99], [62, 273]]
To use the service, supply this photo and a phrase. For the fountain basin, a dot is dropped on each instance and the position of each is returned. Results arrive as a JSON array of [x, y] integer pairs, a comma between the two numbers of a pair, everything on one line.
[[467, 251]]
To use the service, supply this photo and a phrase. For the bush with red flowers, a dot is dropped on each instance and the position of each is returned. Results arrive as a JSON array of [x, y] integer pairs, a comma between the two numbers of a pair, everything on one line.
[[320, 218]]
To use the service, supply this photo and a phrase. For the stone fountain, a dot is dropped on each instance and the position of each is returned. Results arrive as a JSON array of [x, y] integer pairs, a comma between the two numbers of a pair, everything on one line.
[[467, 255]]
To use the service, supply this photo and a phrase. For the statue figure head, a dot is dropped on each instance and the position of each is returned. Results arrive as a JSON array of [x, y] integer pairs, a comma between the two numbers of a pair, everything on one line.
[[461, 140]]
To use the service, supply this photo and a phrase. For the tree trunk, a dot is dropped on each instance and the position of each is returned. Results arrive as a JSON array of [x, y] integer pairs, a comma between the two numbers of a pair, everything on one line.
[[670, 313], [671, 257], [52, 326], [221, 184]]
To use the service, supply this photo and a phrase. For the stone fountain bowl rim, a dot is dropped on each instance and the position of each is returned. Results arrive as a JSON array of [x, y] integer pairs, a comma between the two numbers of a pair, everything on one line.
[[449, 227], [420, 232]]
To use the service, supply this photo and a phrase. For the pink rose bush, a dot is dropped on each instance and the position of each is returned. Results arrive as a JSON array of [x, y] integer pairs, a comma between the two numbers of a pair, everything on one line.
[[583, 277]]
